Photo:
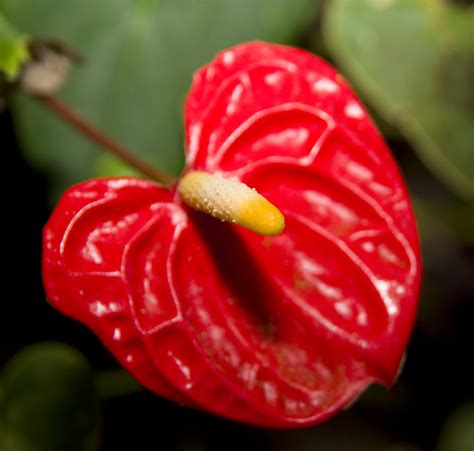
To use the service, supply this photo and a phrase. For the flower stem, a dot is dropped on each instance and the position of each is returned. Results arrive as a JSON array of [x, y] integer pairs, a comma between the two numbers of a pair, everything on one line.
[[91, 132]]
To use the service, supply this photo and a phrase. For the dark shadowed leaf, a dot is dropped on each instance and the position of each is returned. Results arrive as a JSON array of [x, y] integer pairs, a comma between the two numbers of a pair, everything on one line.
[[48, 401]]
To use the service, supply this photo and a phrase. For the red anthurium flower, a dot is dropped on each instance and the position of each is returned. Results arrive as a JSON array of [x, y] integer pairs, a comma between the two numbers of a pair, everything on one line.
[[275, 329]]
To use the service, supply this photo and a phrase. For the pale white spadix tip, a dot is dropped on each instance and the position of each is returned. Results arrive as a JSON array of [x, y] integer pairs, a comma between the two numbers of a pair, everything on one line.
[[230, 201]]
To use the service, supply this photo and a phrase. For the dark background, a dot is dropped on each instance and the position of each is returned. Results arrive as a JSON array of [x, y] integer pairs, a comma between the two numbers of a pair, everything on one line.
[[420, 413]]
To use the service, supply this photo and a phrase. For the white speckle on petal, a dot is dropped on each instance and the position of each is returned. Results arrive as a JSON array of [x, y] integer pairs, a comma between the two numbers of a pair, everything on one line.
[[344, 309], [91, 253], [273, 79], [248, 373], [378, 188], [368, 246], [325, 85], [210, 72], [228, 58], [359, 172], [270, 392], [400, 206], [400, 290], [98, 308], [216, 334], [117, 183], [387, 256], [183, 368], [362, 318], [354, 111], [383, 287], [117, 335], [194, 135], [307, 266], [234, 99]]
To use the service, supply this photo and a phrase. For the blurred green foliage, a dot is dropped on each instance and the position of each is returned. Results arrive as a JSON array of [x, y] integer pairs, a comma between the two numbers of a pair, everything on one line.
[[13, 49], [414, 60], [458, 432], [48, 401], [140, 57]]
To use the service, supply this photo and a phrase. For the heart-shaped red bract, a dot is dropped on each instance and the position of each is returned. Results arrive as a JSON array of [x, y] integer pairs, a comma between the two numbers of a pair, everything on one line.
[[275, 331]]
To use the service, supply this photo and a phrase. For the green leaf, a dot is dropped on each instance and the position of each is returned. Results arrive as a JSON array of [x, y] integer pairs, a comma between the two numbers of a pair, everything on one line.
[[140, 58], [414, 59], [457, 433], [48, 401], [13, 49], [437, 219], [113, 383]]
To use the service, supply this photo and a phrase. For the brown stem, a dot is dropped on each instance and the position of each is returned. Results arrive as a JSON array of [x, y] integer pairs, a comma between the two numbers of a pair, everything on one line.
[[108, 144]]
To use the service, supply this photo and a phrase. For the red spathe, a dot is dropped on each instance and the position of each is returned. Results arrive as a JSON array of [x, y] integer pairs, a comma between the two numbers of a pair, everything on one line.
[[280, 331]]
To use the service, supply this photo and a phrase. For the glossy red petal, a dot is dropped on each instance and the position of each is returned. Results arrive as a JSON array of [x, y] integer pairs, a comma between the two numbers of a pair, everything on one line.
[[83, 270], [109, 261], [253, 85], [275, 331], [266, 351], [285, 123], [188, 310]]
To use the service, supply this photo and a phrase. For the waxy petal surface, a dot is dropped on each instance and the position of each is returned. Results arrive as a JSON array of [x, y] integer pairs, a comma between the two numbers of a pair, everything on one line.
[[275, 331]]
